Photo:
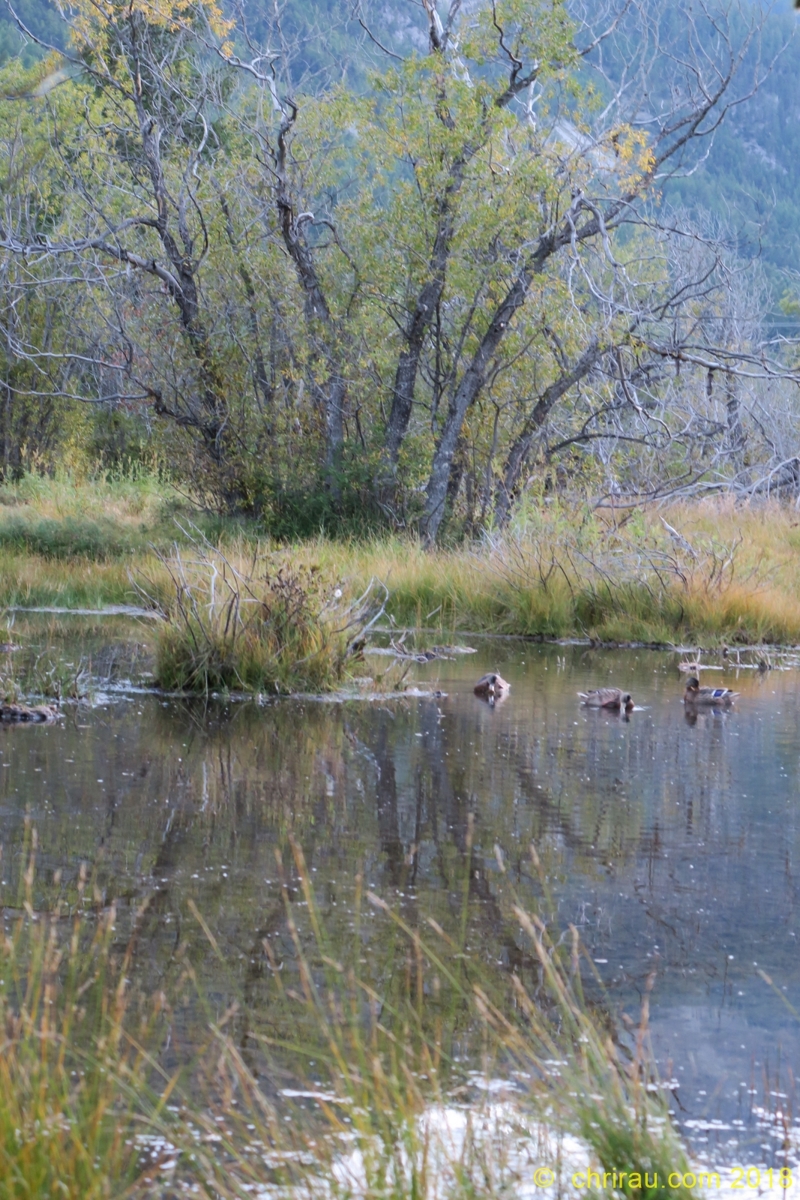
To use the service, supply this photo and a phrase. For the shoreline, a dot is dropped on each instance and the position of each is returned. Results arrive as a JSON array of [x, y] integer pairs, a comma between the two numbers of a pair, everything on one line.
[[727, 574]]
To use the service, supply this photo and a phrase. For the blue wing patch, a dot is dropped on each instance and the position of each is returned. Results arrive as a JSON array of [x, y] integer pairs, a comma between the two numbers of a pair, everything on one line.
[[719, 692]]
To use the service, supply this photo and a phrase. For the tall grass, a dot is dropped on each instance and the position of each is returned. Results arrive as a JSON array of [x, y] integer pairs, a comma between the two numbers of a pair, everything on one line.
[[99, 539], [102, 518], [720, 573], [713, 572], [389, 1110], [367, 1094], [131, 500], [261, 626], [74, 1082]]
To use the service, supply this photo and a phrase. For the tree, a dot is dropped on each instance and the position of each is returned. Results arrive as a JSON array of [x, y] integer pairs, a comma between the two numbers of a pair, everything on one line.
[[431, 284], [132, 176], [479, 205]]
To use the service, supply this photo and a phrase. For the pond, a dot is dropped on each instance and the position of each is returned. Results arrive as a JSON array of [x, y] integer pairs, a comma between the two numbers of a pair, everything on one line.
[[670, 839]]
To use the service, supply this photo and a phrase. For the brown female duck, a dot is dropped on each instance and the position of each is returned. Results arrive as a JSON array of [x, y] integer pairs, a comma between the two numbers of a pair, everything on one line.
[[491, 687], [42, 714], [608, 697]]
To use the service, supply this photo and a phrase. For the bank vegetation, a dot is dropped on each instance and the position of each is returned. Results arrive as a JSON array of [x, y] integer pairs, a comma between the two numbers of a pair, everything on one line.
[[113, 1089], [695, 572]]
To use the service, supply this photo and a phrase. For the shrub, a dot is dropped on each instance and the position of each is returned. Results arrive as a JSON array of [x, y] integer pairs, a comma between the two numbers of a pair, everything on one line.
[[266, 626]]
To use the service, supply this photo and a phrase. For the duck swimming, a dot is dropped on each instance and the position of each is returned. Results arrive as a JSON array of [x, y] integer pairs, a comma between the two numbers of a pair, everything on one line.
[[695, 694], [607, 697], [491, 687]]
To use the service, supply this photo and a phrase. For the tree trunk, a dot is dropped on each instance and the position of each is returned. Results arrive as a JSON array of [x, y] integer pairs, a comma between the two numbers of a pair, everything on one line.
[[331, 395], [408, 364], [182, 286], [461, 400], [736, 435], [262, 386], [431, 292], [518, 454]]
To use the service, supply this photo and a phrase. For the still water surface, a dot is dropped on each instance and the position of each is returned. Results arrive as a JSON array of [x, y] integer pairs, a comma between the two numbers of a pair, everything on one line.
[[671, 840]]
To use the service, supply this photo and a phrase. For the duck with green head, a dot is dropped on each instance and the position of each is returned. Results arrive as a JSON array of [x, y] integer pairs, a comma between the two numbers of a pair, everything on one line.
[[695, 694]]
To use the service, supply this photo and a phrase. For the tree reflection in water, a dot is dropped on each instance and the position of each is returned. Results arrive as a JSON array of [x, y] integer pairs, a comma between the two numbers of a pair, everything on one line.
[[669, 839]]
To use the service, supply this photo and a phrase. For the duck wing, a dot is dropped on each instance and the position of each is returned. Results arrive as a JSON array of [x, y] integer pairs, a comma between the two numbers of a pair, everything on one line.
[[710, 695], [602, 697]]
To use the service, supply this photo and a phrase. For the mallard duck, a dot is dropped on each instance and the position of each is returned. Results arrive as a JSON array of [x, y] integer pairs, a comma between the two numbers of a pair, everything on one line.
[[43, 714], [607, 698], [695, 694], [492, 686]]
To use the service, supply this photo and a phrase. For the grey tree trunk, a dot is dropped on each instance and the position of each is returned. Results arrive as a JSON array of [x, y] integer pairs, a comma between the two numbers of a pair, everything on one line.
[[461, 400], [408, 364], [332, 394], [431, 292], [737, 441], [211, 420], [471, 384], [521, 448]]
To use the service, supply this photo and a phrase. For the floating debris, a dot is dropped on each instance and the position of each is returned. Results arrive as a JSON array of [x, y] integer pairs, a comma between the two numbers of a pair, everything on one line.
[[22, 714], [110, 610]]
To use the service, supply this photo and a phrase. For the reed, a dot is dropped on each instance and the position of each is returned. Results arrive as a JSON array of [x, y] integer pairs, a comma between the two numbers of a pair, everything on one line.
[[707, 571], [266, 625], [28, 580], [699, 571], [75, 1094], [367, 1092], [385, 1107]]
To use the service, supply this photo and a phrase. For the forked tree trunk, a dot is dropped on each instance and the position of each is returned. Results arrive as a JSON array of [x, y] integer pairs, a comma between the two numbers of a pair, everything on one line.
[[331, 394], [463, 398], [518, 454]]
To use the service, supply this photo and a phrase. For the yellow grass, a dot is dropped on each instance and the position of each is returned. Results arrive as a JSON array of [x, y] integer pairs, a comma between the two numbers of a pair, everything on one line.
[[562, 571], [32, 579], [754, 597], [74, 1092], [133, 501]]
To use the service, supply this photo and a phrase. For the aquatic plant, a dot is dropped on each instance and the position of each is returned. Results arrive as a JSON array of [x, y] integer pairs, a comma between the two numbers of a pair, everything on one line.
[[383, 1104], [44, 674], [75, 1095], [267, 624], [368, 1095], [726, 572], [723, 573]]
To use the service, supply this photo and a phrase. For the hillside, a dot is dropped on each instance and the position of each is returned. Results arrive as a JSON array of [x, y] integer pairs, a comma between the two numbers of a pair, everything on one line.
[[751, 179]]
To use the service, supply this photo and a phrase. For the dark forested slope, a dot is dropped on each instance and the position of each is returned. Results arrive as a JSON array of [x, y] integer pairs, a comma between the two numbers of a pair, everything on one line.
[[751, 178]]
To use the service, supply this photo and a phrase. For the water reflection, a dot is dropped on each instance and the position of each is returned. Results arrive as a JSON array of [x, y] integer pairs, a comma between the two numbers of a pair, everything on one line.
[[668, 836]]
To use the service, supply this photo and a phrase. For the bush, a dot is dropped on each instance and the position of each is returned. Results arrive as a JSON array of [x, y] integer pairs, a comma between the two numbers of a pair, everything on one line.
[[267, 626]]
